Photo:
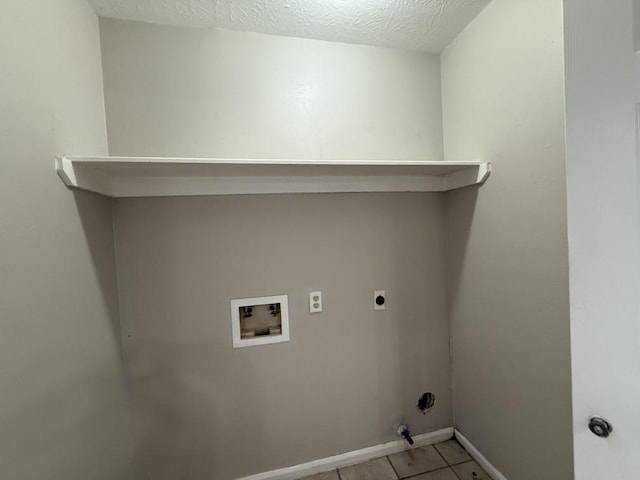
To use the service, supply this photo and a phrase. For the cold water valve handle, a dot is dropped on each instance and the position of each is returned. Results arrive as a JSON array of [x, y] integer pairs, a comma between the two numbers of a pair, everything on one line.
[[403, 431]]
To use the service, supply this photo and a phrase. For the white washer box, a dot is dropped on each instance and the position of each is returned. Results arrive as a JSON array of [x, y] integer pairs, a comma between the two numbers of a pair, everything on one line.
[[260, 320]]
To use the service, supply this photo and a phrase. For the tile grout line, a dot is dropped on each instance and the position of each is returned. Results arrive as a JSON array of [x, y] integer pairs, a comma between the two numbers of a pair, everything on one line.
[[447, 462], [461, 463], [441, 456], [456, 474], [433, 445], [449, 466], [392, 467], [431, 471]]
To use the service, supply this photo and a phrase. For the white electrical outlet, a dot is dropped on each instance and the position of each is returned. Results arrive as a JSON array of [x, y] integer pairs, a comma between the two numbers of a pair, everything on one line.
[[379, 300], [315, 302]]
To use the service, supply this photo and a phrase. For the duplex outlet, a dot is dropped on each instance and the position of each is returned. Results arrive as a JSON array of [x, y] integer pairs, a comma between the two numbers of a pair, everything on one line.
[[315, 302]]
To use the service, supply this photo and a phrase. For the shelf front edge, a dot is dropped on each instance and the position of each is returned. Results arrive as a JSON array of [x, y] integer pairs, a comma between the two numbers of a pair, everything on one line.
[[76, 172]]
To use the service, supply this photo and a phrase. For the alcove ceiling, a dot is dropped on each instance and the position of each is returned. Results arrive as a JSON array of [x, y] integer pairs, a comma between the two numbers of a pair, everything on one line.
[[423, 25]]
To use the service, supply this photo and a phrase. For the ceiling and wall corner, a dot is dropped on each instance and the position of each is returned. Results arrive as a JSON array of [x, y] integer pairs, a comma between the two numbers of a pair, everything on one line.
[[423, 25]]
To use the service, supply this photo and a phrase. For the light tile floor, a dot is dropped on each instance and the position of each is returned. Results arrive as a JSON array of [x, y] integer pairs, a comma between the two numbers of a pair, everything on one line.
[[442, 461]]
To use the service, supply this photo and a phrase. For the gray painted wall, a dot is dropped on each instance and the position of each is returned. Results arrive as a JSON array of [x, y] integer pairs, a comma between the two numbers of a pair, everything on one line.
[[349, 375], [63, 407], [507, 246]]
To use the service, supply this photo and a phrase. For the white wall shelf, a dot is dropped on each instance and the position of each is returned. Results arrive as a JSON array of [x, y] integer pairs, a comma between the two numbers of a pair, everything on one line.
[[163, 176]]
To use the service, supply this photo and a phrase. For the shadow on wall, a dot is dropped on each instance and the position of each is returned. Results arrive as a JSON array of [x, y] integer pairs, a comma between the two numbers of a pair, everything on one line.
[[96, 217], [460, 206], [185, 397], [173, 398]]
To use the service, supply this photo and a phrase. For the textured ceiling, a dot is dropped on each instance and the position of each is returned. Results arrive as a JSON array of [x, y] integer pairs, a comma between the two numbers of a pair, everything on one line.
[[426, 25]]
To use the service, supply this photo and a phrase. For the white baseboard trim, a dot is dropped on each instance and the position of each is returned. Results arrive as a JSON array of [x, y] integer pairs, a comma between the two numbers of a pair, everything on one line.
[[479, 458], [351, 458]]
